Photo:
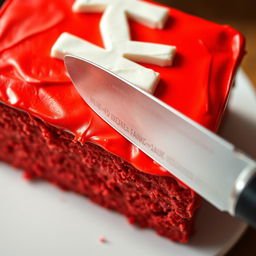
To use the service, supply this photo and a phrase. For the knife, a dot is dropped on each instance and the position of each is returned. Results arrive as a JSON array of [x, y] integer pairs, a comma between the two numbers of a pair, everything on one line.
[[208, 164]]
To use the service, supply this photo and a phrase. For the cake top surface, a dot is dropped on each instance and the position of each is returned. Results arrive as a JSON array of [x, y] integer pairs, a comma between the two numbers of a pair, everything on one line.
[[197, 83]]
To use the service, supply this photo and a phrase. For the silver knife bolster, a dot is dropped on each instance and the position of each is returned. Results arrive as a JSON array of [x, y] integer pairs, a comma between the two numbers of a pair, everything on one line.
[[246, 175]]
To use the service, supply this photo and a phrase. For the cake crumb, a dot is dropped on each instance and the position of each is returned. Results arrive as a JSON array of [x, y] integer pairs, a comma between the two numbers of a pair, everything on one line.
[[102, 240], [131, 220], [27, 176]]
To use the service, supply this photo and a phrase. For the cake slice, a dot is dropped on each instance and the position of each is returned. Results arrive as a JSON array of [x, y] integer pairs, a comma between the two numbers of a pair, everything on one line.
[[47, 130]]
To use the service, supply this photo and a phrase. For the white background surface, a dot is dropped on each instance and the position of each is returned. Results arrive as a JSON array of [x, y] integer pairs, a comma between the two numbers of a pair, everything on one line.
[[39, 219]]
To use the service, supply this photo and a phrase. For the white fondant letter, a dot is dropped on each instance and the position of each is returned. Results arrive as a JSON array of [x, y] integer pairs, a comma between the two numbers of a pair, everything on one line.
[[120, 51]]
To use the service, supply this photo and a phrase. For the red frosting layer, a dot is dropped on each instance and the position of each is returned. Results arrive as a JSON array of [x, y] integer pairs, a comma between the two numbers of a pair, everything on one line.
[[197, 84]]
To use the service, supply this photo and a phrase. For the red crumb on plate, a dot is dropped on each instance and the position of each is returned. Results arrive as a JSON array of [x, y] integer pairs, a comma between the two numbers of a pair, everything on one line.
[[102, 239]]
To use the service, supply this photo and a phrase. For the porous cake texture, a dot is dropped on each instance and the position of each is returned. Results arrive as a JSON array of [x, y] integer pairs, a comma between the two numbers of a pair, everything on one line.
[[45, 152]]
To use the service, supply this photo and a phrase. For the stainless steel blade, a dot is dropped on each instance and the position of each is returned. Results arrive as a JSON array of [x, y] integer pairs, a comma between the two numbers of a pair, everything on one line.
[[198, 157]]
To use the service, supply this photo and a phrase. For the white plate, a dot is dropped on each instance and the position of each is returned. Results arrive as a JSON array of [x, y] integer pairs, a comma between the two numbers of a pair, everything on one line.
[[39, 219]]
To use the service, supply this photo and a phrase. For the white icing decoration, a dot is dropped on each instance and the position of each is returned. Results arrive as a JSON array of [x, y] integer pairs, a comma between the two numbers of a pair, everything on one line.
[[120, 51]]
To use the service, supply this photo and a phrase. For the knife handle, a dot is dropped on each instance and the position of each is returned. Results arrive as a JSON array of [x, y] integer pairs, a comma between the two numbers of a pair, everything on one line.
[[1, 2], [246, 203]]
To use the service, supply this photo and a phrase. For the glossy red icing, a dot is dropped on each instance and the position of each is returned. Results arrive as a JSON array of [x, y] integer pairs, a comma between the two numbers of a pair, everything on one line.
[[197, 84]]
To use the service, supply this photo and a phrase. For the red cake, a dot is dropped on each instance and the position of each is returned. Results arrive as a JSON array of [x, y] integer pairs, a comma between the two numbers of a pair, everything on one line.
[[47, 130]]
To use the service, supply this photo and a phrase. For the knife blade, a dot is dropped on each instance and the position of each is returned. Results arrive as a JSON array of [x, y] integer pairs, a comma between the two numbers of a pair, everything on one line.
[[208, 164]]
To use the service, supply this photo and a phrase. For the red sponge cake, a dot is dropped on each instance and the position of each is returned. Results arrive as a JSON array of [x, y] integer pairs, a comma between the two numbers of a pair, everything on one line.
[[47, 130]]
